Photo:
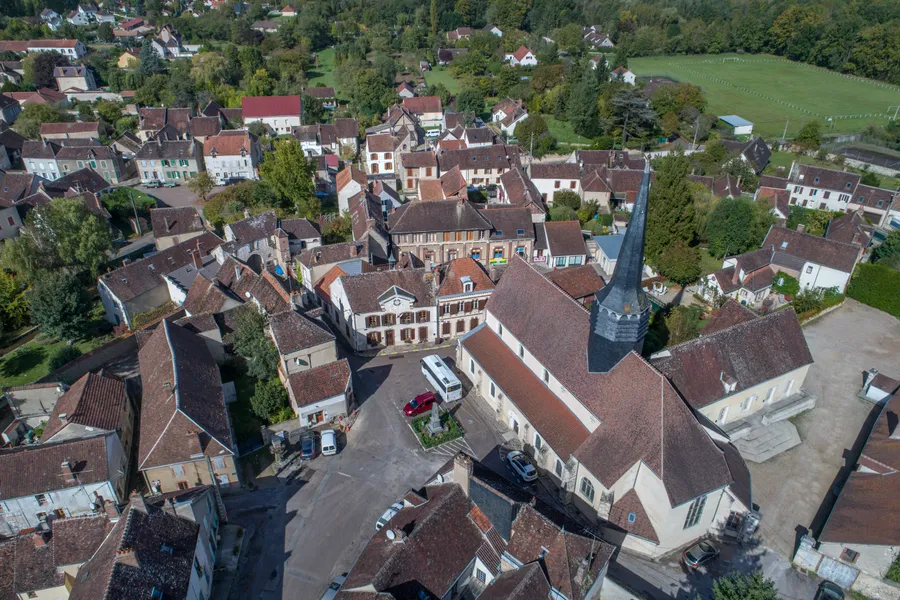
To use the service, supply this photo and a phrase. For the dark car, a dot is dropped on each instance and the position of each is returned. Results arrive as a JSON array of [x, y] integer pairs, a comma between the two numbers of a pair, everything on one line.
[[309, 445], [419, 404], [697, 556], [153, 184], [829, 590]]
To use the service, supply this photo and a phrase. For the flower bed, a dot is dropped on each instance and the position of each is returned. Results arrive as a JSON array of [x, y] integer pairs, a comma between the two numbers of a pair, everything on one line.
[[452, 430]]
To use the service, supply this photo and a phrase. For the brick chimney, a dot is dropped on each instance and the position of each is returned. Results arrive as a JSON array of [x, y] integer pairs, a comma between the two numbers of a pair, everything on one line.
[[126, 556], [197, 259], [40, 538], [138, 502], [462, 471], [68, 475], [801, 228]]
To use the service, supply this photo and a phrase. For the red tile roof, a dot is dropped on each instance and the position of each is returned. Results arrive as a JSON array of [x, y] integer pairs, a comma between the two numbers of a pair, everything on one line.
[[95, 400], [626, 506], [423, 104], [464, 267], [229, 143], [579, 281], [255, 107], [521, 53], [565, 238], [30, 470], [349, 174]]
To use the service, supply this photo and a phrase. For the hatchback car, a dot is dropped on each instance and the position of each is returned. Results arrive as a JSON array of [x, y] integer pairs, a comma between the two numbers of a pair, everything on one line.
[[420, 404], [309, 446], [153, 184], [828, 590], [170, 184], [388, 515], [522, 465], [699, 555]]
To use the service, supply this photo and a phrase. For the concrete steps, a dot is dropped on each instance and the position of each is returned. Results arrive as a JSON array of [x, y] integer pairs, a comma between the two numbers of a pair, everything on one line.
[[762, 443]]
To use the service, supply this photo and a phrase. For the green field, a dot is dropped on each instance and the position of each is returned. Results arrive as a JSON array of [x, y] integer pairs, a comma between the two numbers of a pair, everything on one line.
[[442, 75], [769, 91], [562, 131], [323, 74]]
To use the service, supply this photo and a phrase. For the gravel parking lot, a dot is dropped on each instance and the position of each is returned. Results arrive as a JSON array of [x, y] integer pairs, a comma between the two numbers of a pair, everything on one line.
[[795, 490]]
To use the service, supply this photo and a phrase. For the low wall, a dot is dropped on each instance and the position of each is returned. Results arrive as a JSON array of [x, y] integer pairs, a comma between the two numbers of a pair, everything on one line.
[[93, 360]]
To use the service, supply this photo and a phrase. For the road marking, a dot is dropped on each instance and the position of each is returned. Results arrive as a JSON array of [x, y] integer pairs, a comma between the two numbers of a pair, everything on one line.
[[344, 474]]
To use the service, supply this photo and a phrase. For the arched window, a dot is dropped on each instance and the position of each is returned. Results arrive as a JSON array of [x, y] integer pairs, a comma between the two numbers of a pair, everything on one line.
[[587, 489]]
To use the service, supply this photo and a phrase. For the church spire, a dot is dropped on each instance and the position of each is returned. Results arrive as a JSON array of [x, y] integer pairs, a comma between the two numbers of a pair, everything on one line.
[[620, 313]]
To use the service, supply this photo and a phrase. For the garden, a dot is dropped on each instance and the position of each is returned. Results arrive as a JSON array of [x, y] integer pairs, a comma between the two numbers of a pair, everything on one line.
[[452, 430]]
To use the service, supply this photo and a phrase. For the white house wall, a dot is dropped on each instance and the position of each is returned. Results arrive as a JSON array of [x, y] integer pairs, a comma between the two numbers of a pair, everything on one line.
[[874, 560], [819, 276]]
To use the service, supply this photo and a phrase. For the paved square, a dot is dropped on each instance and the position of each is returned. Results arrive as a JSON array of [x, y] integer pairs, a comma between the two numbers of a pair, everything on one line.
[[794, 489]]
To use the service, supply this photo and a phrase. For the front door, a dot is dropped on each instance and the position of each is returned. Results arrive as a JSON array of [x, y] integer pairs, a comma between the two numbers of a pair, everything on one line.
[[423, 334], [389, 337], [513, 424]]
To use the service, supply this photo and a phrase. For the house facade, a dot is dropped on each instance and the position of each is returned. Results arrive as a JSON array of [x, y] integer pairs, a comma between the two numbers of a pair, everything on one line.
[[169, 161], [381, 154], [463, 293], [232, 154], [321, 394], [279, 113], [507, 114], [433, 233], [302, 343], [70, 48], [523, 57], [480, 166], [58, 158], [76, 77]]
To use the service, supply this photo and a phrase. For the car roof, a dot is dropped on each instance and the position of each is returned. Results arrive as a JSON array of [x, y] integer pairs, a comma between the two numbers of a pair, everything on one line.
[[328, 433]]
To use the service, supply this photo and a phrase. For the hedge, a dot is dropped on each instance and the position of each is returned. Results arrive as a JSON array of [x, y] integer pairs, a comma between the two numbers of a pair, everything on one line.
[[878, 286]]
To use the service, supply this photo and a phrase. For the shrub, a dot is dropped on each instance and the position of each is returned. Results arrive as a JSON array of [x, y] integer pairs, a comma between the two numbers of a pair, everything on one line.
[[680, 263], [567, 198], [563, 213], [786, 285], [878, 286], [62, 357], [451, 430]]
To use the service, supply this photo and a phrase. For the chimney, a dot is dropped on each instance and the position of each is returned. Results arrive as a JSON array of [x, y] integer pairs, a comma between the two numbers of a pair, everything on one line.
[[39, 538], [138, 502], [68, 474], [193, 441], [462, 471], [801, 228], [168, 227], [237, 272], [354, 250], [198, 260], [246, 213], [169, 506], [398, 537]]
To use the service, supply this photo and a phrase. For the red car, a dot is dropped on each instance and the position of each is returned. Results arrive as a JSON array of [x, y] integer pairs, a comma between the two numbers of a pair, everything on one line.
[[419, 404]]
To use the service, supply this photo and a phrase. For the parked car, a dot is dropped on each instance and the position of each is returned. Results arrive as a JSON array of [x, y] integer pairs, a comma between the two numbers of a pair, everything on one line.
[[522, 465], [309, 445], [828, 590], [329, 442], [153, 184], [170, 184], [699, 555], [388, 515], [420, 404], [334, 587]]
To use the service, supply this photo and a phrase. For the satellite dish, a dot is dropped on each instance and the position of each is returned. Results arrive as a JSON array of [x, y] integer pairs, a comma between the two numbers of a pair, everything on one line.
[[439, 478], [390, 534]]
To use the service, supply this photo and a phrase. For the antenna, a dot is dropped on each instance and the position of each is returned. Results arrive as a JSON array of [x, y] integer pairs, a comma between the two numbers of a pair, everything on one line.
[[390, 534]]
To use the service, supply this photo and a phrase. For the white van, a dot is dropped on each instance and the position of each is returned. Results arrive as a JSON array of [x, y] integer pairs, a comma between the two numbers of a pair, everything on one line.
[[329, 442]]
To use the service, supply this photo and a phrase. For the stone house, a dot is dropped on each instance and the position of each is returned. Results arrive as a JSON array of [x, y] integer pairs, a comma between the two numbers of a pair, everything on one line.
[[169, 161], [462, 295], [517, 189], [302, 343], [380, 154], [69, 131], [507, 114], [77, 77], [314, 263], [480, 166], [560, 244], [279, 113], [232, 154], [415, 166], [173, 225], [350, 181], [440, 231], [54, 159], [321, 394]]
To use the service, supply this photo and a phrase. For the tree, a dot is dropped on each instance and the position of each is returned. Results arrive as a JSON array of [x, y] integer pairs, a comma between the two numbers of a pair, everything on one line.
[[683, 323], [44, 65], [889, 250], [567, 198], [470, 100], [150, 60], [28, 123], [531, 129], [632, 114], [60, 304], [105, 32], [269, 398], [207, 69], [870, 178], [582, 108], [252, 343], [110, 112], [201, 184], [680, 263], [810, 136], [670, 216], [63, 356], [290, 174], [313, 110], [563, 213], [736, 225], [13, 306], [735, 586]]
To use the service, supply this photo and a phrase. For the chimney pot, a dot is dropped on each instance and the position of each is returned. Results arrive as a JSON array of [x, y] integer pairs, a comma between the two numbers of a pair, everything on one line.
[[197, 258], [39, 540], [462, 471]]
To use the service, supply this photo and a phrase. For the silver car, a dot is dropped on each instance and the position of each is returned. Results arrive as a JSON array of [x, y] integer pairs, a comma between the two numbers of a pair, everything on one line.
[[388, 515], [521, 464]]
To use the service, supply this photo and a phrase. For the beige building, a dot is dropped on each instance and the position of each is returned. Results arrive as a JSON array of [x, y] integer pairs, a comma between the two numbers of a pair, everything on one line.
[[173, 225], [302, 343], [480, 166], [462, 295]]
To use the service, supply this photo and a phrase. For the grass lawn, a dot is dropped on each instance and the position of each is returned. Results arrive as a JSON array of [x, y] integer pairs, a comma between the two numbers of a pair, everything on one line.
[[708, 263], [29, 362], [743, 85], [323, 74], [246, 424], [442, 75], [562, 131]]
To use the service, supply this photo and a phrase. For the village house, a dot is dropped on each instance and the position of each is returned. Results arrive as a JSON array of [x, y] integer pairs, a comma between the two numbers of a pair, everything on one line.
[[316, 262], [607, 251], [426, 109], [449, 186], [58, 158], [594, 36], [380, 151], [350, 182], [68, 48], [265, 26], [523, 57], [302, 343], [875, 203], [559, 244], [741, 365], [153, 120], [278, 113], [754, 152], [494, 30], [57, 480], [128, 60], [460, 33], [432, 233], [507, 114], [415, 166], [405, 90], [168, 45], [70, 131], [850, 228], [77, 77], [9, 109], [325, 95], [367, 224], [649, 495], [139, 286], [51, 19], [822, 189], [580, 282], [321, 394], [512, 233], [480, 166], [288, 11], [507, 545], [384, 308], [516, 188], [462, 294], [41, 96], [203, 128], [169, 161], [597, 60], [553, 177], [185, 434], [232, 155], [622, 74], [173, 225]]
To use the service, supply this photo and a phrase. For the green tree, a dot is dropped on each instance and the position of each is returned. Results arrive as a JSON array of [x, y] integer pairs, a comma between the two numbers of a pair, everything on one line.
[[736, 225], [470, 100], [567, 198], [582, 108], [269, 398], [786, 285], [150, 60], [252, 343], [870, 178], [563, 213], [60, 304], [680, 263], [28, 123], [889, 250], [44, 65], [290, 174], [632, 114], [13, 306], [110, 112], [105, 33], [201, 184], [670, 216], [63, 356], [810, 136], [735, 586], [683, 323]]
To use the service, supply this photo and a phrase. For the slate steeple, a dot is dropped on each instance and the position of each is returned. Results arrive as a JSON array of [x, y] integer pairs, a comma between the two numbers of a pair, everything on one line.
[[620, 313]]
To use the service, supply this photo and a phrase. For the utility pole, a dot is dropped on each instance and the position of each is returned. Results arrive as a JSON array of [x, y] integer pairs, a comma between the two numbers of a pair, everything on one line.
[[784, 135], [137, 219], [696, 132]]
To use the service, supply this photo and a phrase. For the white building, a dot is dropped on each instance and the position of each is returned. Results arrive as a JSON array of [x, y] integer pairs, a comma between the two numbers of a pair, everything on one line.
[[622, 74], [523, 57], [821, 189], [71, 48], [741, 126], [380, 154], [507, 114], [278, 113], [233, 154], [550, 178], [321, 394]]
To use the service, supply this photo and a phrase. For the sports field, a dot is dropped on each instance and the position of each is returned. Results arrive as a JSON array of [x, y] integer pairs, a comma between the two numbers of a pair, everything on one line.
[[769, 91]]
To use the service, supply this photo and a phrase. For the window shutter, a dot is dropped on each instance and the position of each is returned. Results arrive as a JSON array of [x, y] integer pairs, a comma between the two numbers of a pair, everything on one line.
[[454, 308], [445, 328], [482, 303], [468, 307]]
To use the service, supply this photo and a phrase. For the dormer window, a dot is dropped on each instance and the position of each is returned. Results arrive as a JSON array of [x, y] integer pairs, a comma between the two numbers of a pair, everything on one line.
[[784, 245]]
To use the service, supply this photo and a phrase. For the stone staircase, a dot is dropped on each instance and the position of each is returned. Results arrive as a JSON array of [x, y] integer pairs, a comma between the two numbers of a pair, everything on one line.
[[762, 443]]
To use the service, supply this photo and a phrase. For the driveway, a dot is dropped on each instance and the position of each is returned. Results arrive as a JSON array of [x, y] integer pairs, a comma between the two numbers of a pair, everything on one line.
[[177, 196], [794, 489], [313, 528]]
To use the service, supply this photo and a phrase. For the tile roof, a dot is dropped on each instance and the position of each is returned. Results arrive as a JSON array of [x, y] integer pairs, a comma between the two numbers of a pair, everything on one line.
[[525, 583], [75, 539], [16, 186], [205, 126], [323, 285], [334, 253], [320, 383], [521, 191], [450, 215], [521, 53], [324, 93], [348, 174], [565, 238], [382, 143], [256, 107], [293, 331], [867, 511], [146, 551], [578, 281], [812, 248], [873, 197], [773, 181], [423, 104], [160, 149], [621, 512], [175, 221], [254, 228], [363, 290], [155, 119], [300, 229], [233, 142], [346, 128], [60, 128], [555, 170], [95, 400], [205, 296], [731, 313], [497, 156], [752, 352], [182, 398], [464, 267], [509, 222], [829, 179], [143, 275], [778, 198], [30, 470]]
